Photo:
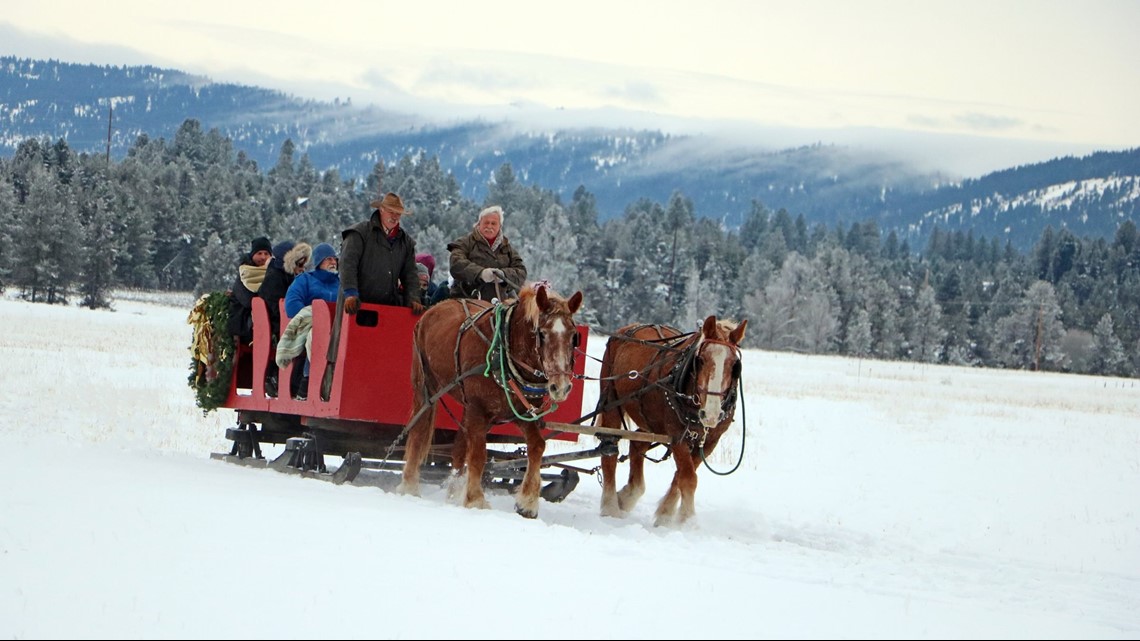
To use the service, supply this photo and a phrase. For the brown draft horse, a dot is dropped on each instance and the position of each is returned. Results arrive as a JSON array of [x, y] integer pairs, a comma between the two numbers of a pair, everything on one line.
[[685, 387], [450, 347]]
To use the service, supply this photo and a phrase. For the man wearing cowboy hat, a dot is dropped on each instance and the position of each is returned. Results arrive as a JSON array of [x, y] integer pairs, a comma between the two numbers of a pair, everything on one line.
[[378, 260]]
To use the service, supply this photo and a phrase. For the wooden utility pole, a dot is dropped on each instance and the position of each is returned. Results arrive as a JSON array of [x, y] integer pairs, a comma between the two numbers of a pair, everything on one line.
[[110, 112], [1037, 346], [672, 263]]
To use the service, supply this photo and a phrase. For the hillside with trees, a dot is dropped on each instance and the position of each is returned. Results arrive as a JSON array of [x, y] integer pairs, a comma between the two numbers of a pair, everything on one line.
[[106, 110], [176, 214]]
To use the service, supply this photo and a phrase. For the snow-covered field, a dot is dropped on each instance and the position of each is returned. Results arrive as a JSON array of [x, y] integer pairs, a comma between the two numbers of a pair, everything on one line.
[[875, 499]]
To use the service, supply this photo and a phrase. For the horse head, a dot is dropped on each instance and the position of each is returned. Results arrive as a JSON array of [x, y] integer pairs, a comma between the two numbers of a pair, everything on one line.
[[717, 369], [555, 335]]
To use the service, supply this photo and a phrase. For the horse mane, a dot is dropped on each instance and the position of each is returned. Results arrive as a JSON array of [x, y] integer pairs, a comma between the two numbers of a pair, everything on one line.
[[528, 303]]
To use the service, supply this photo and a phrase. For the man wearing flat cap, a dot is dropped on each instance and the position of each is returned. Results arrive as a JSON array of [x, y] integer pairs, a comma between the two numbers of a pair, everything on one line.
[[377, 257]]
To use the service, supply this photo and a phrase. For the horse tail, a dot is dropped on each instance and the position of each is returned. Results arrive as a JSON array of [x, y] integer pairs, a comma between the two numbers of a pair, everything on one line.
[[421, 422], [423, 383], [606, 391]]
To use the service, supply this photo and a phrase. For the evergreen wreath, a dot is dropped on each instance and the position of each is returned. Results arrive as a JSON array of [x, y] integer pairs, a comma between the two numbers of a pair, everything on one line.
[[210, 380]]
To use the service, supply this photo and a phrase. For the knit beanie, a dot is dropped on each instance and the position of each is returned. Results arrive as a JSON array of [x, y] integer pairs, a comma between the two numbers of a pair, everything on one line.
[[260, 244], [427, 261]]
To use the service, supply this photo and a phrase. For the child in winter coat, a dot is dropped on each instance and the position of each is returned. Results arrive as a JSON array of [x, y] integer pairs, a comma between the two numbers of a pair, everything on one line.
[[323, 283]]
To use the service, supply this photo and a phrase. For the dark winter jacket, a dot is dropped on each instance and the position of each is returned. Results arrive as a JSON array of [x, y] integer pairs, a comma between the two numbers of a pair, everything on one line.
[[279, 276], [245, 287], [472, 253], [374, 267], [434, 293]]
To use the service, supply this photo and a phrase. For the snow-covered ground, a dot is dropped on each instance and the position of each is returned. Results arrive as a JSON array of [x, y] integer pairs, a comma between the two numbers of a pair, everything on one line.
[[875, 499]]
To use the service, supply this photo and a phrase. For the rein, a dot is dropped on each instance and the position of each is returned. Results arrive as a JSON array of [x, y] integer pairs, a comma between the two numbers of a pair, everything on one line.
[[469, 323], [427, 405], [499, 364], [676, 381], [633, 374], [498, 343], [498, 354], [743, 436]]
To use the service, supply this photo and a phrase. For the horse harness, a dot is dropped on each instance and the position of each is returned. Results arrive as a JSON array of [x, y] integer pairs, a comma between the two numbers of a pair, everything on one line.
[[681, 378], [502, 366]]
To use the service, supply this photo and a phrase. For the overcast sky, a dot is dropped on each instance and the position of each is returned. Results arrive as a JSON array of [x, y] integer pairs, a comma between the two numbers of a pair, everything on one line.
[[1059, 75]]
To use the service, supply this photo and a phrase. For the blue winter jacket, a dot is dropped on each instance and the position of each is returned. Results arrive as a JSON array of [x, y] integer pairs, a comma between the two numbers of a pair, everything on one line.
[[310, 286]]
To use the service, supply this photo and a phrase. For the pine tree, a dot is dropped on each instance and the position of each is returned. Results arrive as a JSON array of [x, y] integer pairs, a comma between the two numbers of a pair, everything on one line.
[[755, 226], [1108, 352], [44, 265], [552, 252], [1030, 337], [218, 268], [859, 335], [505, 191], [797, 311], [7, 225], [925, 335], [100, 247], [190, 144], [883, 310]]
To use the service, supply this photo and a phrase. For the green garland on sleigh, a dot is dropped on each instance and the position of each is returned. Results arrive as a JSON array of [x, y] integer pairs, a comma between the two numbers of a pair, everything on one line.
[[212, 351]]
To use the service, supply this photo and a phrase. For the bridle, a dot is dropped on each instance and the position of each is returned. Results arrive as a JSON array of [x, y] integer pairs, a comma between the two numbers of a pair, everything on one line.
[[541, 371], [683, 378], [728, 395]]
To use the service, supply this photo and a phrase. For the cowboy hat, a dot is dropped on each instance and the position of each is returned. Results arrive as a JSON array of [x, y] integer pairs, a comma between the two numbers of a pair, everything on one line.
[[391, 202]]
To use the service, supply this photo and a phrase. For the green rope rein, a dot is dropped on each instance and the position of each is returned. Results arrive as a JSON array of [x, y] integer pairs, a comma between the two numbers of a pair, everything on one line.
[[498, 347]]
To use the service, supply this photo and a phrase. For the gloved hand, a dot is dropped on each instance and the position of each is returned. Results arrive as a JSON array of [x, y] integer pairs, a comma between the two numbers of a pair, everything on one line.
[[500, 277], [488, 275], [417, 307], [351, 304]]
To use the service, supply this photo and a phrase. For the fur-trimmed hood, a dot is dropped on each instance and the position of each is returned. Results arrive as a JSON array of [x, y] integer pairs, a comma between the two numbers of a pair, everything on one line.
[[294, 256]]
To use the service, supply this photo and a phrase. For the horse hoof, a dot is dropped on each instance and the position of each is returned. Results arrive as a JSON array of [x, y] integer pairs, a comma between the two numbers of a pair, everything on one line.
[[407, 490], [611, 509], [525, 513], [480, 504], [627, 499]]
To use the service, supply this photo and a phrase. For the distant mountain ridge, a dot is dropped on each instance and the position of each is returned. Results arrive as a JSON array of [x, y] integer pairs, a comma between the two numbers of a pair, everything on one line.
[[1089, 196], [827, 184]]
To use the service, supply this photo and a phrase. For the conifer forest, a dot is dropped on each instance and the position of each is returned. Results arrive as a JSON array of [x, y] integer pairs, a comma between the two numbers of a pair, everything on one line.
[[178, 214]]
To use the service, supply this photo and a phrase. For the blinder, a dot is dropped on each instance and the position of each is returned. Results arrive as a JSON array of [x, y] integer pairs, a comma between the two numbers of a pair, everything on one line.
[[728, 396], [540, 343]]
